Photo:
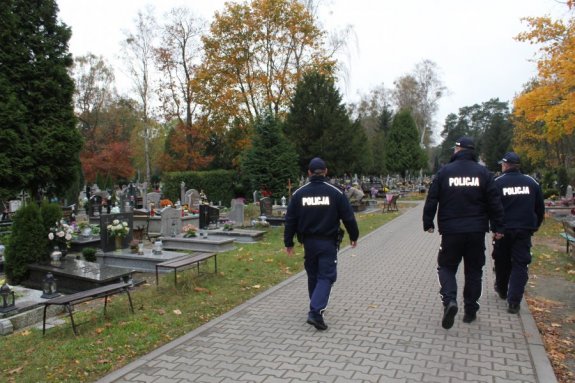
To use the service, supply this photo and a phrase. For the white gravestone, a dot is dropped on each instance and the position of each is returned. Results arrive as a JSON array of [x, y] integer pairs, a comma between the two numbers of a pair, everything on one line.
[[171, 222], [236, 213]]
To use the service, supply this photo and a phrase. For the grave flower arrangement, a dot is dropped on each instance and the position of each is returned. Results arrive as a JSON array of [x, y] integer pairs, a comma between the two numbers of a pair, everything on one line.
[[229, 225], [61, 235], [118, 229], [189, 231], [166, 202]]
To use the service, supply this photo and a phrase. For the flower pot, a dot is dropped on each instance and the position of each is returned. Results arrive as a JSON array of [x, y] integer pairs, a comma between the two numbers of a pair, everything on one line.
[[64, 250], [118, 243]]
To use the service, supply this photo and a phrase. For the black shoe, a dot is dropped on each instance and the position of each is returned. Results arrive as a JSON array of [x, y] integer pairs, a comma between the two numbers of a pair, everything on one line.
[[513, 308], [501, 294], [317, 323], [449, 315], [469, 317]]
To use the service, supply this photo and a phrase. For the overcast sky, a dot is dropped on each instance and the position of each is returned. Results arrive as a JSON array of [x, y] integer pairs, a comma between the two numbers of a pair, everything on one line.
[[472, 42]]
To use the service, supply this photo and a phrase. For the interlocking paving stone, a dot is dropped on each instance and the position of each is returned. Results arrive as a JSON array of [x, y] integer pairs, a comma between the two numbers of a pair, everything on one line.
[[384, 323]]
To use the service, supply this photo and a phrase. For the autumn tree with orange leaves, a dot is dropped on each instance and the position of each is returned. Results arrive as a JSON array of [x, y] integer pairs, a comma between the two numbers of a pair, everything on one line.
[[545, 110], [255, 54]]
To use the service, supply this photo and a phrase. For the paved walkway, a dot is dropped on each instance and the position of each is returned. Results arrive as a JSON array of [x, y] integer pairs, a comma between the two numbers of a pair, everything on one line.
[[384, 326]]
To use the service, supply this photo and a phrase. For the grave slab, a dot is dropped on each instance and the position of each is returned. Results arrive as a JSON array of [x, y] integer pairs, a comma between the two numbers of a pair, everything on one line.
[[76, 275], [140, 262], [238, 235], [212, 244]]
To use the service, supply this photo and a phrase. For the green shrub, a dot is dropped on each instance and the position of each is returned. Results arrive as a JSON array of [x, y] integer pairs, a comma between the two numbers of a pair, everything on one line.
[[51, 214], [548, 193], [89, 254], [27, 244]]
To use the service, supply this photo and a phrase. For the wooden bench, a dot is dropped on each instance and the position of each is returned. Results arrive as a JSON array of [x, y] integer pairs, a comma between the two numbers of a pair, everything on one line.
[[184, 262], [84, 296], [569, 235]]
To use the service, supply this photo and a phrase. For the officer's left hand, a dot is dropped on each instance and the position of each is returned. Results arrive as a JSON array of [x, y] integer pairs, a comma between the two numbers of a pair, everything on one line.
[[353, 244], [498, 236], [289, 251]]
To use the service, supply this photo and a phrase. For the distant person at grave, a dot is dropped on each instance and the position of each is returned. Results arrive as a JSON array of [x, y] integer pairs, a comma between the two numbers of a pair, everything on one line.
[[313, 215], [354, 193], [524, 213], [465, 198]]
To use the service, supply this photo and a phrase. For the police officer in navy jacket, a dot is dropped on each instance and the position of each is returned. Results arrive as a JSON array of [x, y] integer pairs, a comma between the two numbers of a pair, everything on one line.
[[524, 212], [464, 195], [314, 214]]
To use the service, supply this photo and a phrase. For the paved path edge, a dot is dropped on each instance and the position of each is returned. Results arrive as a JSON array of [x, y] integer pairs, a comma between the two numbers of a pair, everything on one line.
[[541, 362]]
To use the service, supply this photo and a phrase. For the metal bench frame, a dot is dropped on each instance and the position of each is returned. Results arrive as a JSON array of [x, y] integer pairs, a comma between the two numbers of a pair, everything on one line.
[[569, 235], [84, 296], [184, 262]]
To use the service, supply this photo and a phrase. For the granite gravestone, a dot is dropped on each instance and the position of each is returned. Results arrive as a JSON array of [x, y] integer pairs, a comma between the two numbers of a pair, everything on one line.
[[266, 206], [154, 198], [171, 222], [209, 216], [194, 200], [107, 243], [236, 213]]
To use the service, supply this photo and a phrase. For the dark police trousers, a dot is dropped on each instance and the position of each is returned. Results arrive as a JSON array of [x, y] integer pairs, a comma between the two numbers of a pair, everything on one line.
[[512, 256], [320, 262], [469, 247]]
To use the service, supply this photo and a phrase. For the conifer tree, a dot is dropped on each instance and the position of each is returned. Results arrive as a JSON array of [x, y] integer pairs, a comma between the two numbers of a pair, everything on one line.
[[319, 125], [39, 142], [27, 244], [403, 152], [271, 161]]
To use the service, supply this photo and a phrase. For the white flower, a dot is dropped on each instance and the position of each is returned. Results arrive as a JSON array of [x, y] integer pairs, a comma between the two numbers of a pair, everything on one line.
[[60, 234], [50, 236], [68, 237], [116, 222]]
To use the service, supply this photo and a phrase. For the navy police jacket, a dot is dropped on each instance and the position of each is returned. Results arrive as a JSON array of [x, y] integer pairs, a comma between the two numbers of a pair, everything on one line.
[[315, 211], [522, 200], [467, 197]]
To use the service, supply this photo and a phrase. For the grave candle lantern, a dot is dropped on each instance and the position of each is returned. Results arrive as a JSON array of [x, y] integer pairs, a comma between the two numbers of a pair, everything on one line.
[[8, 299], [49, 287]]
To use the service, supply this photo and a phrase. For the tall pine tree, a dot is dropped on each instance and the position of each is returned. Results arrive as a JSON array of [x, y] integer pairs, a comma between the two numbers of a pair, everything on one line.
[[403, 152], [271, 161], [39, 142], [319, 125]]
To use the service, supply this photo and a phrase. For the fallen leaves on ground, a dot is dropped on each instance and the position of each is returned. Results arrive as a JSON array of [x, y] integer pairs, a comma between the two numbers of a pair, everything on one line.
[[558, 342]]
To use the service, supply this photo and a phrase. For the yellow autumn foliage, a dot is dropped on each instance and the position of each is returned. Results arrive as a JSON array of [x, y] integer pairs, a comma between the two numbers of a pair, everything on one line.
[[545, 111]]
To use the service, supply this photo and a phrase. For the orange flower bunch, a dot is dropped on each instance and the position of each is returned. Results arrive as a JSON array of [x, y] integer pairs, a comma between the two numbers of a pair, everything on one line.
[[165, 202]]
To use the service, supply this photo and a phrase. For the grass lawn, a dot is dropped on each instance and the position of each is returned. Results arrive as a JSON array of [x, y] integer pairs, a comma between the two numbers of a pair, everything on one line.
[[549, 256], [161, 314]]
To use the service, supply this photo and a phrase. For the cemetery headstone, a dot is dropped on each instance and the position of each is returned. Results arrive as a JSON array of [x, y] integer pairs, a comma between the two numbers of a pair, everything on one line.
[[106, 242], [142, 194], [183, 192], [209, 216], [171, 222], [569, 192], [236, 213], [153, 197], [266, 206], [195, 200], [187, 198]]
